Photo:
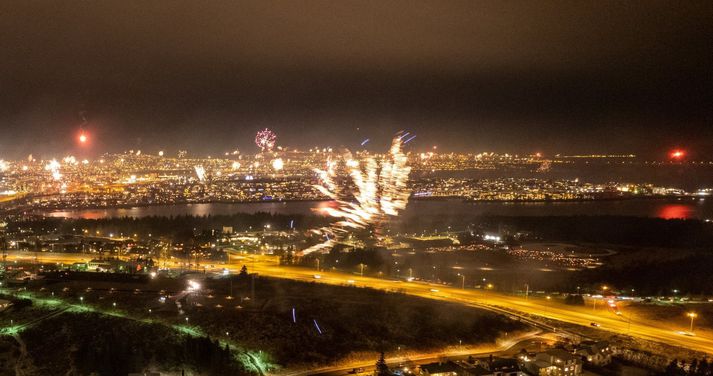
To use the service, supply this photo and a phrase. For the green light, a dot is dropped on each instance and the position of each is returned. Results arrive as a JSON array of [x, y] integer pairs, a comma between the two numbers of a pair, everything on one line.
[[193, 332], [11, 330]]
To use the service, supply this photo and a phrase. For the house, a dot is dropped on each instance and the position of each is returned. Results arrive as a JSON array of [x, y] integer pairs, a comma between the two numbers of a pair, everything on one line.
[[4, 304], [448, 368], [482, 367], [467, 369], [596, 353], [506, 367], [553, 362]]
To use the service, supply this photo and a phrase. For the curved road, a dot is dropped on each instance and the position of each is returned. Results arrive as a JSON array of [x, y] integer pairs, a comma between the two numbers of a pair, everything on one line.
[[516, 305]]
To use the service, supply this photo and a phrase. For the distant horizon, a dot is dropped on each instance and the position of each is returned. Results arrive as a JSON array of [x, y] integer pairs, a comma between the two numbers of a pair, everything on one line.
[[599, 77]]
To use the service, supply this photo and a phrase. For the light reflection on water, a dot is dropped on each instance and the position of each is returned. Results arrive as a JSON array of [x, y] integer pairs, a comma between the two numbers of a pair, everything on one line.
[[677, 211], [668, 209]]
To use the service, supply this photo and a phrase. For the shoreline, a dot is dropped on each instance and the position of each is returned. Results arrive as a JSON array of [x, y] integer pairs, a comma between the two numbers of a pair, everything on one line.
[[439, 198]]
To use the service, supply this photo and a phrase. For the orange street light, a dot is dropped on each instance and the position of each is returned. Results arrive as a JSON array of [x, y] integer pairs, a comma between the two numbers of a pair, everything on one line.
[[692, 315]]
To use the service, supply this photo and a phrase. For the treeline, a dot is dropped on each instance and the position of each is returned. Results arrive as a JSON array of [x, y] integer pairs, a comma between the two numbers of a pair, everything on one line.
[[180, 228], [694, 368], [94, 344], [689, 275], [633, 231]]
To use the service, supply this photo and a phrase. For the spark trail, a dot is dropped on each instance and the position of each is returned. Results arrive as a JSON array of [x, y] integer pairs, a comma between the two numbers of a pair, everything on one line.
[[378, 192]]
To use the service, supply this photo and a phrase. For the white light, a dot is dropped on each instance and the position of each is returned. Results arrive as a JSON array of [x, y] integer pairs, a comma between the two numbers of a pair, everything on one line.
[[193, 286], [278, 164], [200, 172], [52, 165]]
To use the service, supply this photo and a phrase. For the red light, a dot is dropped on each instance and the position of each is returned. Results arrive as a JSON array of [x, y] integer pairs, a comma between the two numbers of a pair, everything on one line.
[[678, 154], [675, 211]]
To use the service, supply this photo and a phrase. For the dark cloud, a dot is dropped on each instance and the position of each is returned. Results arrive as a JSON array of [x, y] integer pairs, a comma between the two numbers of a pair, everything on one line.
[[514, 76]]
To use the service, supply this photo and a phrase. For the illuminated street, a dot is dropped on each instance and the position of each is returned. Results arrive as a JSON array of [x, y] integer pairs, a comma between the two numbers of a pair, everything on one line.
[[584, 316]]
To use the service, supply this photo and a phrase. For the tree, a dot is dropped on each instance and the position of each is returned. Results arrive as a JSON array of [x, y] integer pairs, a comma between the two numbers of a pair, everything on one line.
[[382, 369], [243, 271], [573, 299], [703, 367], [693, 367], [674, 369]]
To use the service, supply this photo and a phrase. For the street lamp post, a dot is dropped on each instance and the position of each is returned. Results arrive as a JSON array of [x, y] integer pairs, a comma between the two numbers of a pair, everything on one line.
[[692, 315], [462, 282]]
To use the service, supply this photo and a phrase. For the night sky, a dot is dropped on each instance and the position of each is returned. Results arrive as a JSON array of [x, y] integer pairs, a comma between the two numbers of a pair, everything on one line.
[[505, 76]]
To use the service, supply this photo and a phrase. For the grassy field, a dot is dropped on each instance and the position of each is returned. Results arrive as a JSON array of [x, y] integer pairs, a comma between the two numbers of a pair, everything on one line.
[[330, 323]]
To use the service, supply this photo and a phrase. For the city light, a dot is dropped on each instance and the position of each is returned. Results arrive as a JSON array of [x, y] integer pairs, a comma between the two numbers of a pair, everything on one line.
[[460, 188], [692, 315], [677, 154], [193, 285]]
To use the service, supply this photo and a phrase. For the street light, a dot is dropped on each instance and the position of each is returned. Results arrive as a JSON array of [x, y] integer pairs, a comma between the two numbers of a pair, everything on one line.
[[692, 315], [462, 282]]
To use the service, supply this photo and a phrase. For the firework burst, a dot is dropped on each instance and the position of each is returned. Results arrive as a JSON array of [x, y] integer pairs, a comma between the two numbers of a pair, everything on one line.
[[265, 139], [378, 191]]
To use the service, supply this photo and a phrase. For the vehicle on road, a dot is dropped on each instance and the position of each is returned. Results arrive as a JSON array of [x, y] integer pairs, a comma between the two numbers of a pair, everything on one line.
[[685, 333]]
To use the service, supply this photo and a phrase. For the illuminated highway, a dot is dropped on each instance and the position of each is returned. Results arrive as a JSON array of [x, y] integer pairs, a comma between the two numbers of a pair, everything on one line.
[[522, 341], [535, 308]]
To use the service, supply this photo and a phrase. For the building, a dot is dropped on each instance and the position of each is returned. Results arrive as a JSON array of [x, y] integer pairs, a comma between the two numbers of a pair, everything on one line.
[[595, 353], [553, 362], [4, 304], [481, 367], [448, 368], [506, 367]]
